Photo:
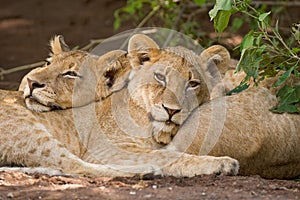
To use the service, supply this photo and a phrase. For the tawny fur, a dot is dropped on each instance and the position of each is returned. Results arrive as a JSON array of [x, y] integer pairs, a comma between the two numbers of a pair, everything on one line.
[[263, 142], [71, 141], [241, 127]]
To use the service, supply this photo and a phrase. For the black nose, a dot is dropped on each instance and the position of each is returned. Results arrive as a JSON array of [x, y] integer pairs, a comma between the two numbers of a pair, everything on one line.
[[34, 84], [170, 111]]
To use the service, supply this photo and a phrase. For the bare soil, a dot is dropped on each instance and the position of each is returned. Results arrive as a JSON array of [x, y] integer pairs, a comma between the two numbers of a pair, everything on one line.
[[15, 185], [25, 28]]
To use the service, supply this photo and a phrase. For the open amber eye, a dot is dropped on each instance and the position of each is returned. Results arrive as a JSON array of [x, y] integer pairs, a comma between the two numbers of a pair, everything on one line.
[[160, 78], [193, 84]]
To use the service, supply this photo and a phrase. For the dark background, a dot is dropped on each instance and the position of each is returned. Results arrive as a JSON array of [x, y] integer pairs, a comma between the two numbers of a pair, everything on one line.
[[26, 27]]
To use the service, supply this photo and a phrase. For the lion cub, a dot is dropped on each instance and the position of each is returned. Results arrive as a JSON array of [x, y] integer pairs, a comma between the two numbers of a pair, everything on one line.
[[171, 82], [75, 142], [167, 91]]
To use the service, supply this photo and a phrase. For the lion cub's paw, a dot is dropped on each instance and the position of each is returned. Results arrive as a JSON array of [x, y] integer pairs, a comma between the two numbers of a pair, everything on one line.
[[226, 166], [189, 165], [162, 138]]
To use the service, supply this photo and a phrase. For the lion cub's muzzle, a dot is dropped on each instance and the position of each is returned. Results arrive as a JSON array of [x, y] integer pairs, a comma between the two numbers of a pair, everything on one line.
[[171, 112], [39, 98], [166, 114], [33, 85]]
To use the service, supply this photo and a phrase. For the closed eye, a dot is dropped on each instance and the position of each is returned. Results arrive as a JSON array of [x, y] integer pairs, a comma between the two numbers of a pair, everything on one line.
[[71, 74], [47, 62]]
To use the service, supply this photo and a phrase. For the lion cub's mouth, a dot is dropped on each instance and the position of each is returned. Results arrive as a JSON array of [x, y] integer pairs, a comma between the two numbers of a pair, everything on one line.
[[34, 101], [163, 132], [167, 122]]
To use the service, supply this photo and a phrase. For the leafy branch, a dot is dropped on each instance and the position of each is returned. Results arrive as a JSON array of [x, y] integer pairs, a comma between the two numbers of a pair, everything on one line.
[[264, 52]]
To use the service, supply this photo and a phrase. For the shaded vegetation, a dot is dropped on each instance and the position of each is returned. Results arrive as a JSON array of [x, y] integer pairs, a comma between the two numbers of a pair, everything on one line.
[[264, 51]]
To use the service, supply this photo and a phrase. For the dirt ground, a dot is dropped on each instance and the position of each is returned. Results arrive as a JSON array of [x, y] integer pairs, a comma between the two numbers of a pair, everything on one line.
[[25, 28], [14, 185]]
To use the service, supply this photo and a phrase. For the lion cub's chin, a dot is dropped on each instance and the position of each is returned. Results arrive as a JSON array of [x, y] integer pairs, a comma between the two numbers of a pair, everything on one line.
[[34, 105], [163, 132]]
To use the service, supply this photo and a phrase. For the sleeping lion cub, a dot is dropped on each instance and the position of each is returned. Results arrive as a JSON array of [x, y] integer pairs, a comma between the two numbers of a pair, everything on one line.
[[234, 126], [87, 139], [240, 126]]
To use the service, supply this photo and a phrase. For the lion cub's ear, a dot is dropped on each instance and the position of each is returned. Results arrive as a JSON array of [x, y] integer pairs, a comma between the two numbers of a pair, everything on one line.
[[116, 71], [141, 48], [218, 56], [216, 61], [58, 45]]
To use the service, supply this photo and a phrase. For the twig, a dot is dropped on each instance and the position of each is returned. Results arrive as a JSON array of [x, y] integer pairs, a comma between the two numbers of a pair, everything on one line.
[[256, 4], [88, 47], [148, 16], [142, 23], [21, 68], [276, 3], [91, 44]]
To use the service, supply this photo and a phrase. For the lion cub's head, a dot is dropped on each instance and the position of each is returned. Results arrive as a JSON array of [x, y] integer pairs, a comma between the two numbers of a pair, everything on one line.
[[169, 83], [73, 78]]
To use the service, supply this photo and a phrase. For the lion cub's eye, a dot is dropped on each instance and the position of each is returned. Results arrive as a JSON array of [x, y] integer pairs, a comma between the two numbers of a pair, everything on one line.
[[47, 62], [193, 84], [160, 78], [71, 74]]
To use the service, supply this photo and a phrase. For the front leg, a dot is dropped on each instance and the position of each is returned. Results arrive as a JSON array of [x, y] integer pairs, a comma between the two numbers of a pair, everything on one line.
[[174, 163], [23, 147], [189, 165]]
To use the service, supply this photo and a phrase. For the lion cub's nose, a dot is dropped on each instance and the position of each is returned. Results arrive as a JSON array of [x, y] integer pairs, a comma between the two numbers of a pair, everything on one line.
[[171, 111], [34, 84]]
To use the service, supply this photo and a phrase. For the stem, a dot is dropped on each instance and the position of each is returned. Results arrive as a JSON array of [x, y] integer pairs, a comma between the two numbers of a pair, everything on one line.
[[21, 68], [283, 43], [148, 16]]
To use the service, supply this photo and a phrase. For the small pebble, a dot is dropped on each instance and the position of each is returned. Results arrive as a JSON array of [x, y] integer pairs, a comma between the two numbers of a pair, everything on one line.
[[10, 195], [154, 186], [147, 196], [132, 192]]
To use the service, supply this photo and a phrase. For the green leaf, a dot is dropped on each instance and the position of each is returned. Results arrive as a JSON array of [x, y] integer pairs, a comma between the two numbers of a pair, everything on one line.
[[250, 62], [237, 23], [295, 50], [285, 108], [289, 99], [247, 41], [284, 76], [263, 16], [221, 20], [117, 22], [220, 5], [238, 89]]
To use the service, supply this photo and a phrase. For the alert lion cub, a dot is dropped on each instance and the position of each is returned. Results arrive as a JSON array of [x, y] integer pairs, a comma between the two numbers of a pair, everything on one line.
[[170, 83], [76, 142], [240, 126]]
